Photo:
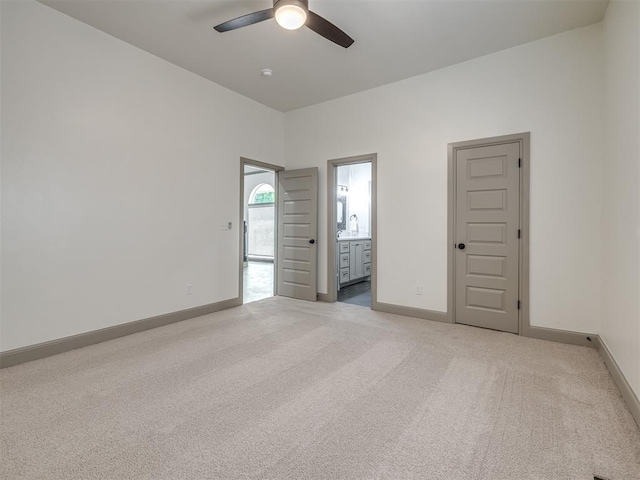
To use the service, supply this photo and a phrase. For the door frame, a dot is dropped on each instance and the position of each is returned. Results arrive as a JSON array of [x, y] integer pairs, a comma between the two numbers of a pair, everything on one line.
[[275, 169], [332, 284], [524, 326]]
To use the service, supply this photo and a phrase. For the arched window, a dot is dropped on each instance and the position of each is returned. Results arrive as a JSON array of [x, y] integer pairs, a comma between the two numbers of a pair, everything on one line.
[[263, 193]]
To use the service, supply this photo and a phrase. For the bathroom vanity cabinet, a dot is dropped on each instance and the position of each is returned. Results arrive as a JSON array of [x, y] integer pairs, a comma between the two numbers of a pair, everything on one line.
[[354, 259]]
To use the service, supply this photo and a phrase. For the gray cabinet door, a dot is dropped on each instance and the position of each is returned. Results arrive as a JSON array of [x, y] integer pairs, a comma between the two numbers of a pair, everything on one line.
[[487, 223], [356, 260], [297, 233]]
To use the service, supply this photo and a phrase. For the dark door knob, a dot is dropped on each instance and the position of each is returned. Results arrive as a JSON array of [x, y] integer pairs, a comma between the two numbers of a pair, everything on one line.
[[461, 246], [312, 241]]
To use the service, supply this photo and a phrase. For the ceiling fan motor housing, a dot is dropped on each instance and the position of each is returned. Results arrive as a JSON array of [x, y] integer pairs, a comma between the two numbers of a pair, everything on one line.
[[303, 4], [290, 14]]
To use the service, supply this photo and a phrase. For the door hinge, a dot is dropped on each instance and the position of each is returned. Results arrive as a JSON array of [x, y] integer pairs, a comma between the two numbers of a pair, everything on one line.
[[518, 233], [519, 163], [518, 304]]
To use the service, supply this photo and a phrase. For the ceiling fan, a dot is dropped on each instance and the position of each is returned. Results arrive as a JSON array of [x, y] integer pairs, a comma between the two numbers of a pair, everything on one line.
[[291, 14]]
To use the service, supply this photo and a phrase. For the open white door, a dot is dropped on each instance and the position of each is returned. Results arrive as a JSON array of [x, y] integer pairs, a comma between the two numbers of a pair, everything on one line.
[[297, 233]]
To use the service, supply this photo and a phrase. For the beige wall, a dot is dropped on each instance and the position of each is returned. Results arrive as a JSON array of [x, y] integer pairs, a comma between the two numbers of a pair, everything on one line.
[[118, 169], [621, 173], [552, 88]]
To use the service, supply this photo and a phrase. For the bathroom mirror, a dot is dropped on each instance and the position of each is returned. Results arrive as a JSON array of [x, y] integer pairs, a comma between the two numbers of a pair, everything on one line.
[[341, 213]]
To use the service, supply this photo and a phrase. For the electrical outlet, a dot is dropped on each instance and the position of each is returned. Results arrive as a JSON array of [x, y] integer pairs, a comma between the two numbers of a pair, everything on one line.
[[229, 224], [419, 290], [189, 289]]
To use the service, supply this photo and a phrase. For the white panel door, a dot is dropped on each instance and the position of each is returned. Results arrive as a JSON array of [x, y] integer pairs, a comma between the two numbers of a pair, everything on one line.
[[487, 243], [297, 233]]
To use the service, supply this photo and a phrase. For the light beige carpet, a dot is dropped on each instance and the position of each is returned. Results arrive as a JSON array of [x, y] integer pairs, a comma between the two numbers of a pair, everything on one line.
[[284, 389]]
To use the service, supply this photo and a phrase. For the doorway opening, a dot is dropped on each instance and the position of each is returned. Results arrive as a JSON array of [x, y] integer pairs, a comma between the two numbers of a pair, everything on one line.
[[259, 240], [352, 245]]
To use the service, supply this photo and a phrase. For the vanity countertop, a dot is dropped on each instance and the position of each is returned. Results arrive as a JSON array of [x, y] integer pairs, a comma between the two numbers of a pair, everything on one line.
[[344, 238]]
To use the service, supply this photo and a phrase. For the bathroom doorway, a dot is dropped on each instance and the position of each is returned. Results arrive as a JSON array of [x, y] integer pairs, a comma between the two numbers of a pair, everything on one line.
[[352, 232]]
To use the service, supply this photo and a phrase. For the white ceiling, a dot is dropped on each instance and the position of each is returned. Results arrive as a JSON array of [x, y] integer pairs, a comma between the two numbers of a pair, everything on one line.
[[394, 39]]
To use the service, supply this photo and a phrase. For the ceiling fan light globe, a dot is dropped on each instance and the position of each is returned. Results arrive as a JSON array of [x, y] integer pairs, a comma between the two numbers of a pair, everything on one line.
[[290, 16]]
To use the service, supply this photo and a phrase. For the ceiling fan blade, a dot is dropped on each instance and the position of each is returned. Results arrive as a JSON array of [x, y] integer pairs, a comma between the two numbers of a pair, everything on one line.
[[328, 30], [245, 20]]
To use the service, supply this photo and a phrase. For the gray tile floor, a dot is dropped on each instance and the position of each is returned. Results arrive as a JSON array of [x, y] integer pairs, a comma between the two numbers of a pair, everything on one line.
[[258, 284], [257, 281], [356, 294]]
